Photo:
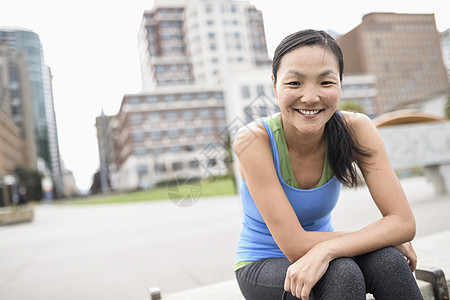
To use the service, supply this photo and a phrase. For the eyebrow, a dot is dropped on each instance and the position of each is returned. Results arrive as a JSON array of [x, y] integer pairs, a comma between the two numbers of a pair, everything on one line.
[[324, 73]]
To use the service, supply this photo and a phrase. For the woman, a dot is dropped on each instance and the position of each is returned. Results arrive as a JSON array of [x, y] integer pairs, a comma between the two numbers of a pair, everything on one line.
[[292, 172]]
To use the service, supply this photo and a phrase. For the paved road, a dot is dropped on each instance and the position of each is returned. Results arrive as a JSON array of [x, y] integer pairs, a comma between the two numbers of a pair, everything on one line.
[[117, 251]]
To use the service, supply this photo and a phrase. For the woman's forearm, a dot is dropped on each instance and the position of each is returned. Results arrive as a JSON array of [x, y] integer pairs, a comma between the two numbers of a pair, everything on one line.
[[388, 231]]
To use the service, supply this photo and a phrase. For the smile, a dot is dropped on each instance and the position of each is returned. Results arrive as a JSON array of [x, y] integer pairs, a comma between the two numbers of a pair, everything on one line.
[[308, 112]]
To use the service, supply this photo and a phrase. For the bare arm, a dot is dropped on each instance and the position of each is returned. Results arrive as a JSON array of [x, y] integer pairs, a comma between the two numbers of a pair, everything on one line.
[[257, 169], [396, 226]]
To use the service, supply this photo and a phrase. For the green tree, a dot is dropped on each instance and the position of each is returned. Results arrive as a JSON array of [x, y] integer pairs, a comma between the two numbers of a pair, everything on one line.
[[350, 105], [447, 108], [31, 180]]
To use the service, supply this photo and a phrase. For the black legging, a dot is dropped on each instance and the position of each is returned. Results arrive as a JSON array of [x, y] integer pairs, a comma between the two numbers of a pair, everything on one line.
[[383, 273]]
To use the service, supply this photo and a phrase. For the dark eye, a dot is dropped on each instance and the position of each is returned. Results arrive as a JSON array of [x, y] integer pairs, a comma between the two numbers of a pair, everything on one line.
[[327, 82], [293, 83]]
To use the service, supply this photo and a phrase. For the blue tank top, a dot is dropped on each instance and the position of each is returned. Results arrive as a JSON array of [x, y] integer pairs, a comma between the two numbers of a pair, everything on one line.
[[312, 207]]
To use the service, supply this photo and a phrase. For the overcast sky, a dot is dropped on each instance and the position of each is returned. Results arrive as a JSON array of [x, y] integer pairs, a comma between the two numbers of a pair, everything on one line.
[[91, 47]]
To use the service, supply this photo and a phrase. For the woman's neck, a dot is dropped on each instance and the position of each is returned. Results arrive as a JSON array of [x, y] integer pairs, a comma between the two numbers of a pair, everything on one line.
[[302, 143]]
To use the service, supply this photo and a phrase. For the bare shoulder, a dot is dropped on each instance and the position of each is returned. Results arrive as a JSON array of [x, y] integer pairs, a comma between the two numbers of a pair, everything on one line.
[[250, 135], [358, 122]]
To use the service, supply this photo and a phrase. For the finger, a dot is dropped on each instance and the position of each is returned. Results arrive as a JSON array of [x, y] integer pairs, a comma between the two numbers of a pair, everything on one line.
[[287, 283], [298, 291], [305, 292]]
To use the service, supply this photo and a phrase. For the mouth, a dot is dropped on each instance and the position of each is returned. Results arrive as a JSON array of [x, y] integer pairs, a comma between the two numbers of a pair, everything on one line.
[[309, 112]]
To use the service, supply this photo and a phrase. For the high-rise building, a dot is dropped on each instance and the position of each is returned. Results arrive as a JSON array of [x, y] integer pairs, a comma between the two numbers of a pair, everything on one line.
[[177, 125], [16, 100], [187, 42], [29, 44], [403, 51]]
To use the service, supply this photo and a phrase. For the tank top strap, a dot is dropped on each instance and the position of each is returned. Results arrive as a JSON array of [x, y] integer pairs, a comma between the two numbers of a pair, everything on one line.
[[273, 146]]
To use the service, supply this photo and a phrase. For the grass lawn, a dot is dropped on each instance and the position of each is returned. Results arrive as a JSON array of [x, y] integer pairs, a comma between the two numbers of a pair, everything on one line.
[[206, 188]]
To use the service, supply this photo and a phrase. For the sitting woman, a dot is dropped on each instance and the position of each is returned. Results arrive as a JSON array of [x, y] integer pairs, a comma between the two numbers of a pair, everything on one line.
[[292, 173]]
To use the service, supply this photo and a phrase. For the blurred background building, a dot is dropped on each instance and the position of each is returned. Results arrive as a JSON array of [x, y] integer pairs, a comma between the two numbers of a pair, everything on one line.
[[27, 98], [206, 72], [404, 53]]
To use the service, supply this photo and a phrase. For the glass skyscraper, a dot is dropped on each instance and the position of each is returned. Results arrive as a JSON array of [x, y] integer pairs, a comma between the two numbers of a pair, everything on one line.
[[29, 44]]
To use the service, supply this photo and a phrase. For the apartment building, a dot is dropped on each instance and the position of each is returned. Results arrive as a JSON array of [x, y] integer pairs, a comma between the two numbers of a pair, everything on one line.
[[403, 51], [177, 127]]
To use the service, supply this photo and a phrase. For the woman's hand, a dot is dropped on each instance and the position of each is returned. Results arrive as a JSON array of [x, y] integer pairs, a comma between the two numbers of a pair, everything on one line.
[[303, 275], [407, 250]]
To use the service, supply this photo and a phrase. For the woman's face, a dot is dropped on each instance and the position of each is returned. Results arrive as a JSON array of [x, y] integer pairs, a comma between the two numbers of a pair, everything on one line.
[[308, 88]]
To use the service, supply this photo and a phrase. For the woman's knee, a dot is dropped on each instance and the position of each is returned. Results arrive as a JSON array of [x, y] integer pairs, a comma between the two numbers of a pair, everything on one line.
[[343, 278], [388, 259]]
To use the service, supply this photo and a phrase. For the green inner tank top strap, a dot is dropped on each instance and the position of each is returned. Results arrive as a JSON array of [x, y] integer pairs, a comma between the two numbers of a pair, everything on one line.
[[285, 163]]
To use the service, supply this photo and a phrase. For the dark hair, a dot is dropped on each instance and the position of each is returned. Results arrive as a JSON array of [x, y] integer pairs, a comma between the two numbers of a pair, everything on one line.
[[343, 148]]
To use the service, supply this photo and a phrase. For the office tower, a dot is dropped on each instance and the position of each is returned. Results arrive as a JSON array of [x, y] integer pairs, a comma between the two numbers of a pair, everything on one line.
[[16, 101], [403, 51], [29, 44]]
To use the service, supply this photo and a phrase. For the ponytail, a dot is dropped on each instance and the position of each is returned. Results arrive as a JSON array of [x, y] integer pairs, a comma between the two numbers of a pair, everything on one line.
[[343, 151]]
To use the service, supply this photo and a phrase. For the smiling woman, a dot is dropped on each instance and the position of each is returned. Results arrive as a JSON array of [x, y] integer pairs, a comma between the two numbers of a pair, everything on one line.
[[292, 174]]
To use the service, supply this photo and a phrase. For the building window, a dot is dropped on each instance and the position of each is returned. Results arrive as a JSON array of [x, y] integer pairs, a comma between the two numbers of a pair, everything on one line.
[[160, 167], [207, 131], [176, 166], [171, 115], [136, 119], [205, 113], [175, 149], [220, 113], [191, 147], [188, 115], [169, 98], [245, 92], [138, 136], [160, 69], [190, 132], [194, 164], [158, 150], [218, 96], [154, 117], [156, 135], [173, 133], [151, 99], [140, 152], [134, 100], [186, 97], [202, 96]]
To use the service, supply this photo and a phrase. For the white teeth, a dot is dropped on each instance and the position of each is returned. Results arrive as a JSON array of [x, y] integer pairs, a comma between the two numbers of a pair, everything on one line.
[[308, 112]]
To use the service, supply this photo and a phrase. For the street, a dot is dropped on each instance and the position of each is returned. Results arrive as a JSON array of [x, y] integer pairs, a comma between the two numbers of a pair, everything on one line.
[[117, 251]]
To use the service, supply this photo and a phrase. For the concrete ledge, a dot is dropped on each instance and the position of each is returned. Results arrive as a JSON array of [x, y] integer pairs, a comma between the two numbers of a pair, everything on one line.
[[16, 214], [227, 290], [433, 251]]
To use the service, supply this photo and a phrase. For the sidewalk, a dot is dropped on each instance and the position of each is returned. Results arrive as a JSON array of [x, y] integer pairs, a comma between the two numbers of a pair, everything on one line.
[[119, 251], [433, 251]]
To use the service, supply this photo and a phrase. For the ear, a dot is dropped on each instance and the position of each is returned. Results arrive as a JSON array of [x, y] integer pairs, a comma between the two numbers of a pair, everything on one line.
[[274, 86]]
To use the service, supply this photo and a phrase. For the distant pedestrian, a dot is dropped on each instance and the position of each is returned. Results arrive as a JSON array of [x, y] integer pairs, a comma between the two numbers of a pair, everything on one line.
[[292, 173]]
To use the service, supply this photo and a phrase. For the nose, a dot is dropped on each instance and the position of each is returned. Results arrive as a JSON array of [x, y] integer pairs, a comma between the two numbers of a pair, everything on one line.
[[309, 95]]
